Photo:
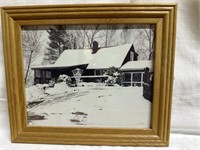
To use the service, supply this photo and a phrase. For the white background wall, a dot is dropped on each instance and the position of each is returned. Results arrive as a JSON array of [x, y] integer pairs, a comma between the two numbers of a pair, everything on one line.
[[186, 97]]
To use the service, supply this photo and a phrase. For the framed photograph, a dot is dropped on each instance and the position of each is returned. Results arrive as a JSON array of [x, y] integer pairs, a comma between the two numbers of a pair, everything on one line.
[[95, 74]]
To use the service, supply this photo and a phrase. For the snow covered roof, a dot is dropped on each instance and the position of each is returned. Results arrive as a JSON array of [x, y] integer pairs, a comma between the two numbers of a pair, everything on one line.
[[74, 57], [104, 58], [137, 65], [109, 57], [70, 58]]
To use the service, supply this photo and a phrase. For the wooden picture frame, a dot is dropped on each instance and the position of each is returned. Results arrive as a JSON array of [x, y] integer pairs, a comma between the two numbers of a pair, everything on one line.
[[164, 18]]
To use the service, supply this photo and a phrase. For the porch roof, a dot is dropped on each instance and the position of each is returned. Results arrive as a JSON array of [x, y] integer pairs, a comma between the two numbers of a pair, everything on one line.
[[137, 65]]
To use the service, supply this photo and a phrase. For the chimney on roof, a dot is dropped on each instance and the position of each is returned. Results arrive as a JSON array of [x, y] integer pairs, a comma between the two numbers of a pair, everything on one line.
[[95, 47]]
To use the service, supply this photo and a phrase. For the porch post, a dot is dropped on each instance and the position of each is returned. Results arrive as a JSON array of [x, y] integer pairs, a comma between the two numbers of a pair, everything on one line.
[[142, 78], [131, 78]]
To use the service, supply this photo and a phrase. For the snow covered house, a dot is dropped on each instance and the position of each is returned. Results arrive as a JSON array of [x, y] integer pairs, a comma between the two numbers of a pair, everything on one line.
[[94, 62]]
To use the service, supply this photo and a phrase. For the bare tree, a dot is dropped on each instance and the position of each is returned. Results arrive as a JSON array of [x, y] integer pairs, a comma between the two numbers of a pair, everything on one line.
[[142, 36], [150, 37], [78, 37], [31, 46], [141, 44], [126, 34], [144, 41], [110, 35], [90, 33], [86, 34]]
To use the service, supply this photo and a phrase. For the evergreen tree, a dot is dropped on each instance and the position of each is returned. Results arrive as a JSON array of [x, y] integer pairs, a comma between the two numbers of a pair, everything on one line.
[[58, 43]]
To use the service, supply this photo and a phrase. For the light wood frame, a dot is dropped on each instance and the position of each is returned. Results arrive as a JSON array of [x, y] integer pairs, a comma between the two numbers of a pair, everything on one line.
[[162, 15]]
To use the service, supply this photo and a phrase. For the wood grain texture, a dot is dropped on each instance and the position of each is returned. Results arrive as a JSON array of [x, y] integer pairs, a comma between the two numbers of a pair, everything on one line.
[[162, 15]]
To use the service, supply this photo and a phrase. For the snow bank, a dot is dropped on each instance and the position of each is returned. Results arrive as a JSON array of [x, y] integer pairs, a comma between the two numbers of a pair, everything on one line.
[[58, 88], [35, 93], [90, 84], [40, 91]]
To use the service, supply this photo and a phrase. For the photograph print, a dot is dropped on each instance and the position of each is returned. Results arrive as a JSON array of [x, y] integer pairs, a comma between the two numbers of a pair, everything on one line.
[[89, 75]]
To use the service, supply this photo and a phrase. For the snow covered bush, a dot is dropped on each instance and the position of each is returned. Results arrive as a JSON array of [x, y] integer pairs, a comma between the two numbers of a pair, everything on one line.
[[110, 71], [115, 76], [52, 83], [64, 78], [61, 78], [110, 81], [68, 81], [90, 84]]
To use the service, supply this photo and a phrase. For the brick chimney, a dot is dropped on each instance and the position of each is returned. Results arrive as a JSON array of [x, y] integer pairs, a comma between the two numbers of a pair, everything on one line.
[[95, 47]]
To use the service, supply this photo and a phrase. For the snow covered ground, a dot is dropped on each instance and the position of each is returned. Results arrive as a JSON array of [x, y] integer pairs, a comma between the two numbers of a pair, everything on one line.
[[92, 105]]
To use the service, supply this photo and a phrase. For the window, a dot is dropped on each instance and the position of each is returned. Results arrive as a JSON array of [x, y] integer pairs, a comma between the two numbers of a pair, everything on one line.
[[48, 74], [98, 72], [132, 79], [127, 77], [136, 77], [43, 74], [37, 73]]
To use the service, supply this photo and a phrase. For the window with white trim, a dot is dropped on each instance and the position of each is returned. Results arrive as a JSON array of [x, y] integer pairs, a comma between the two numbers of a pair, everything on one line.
[[133, 79]]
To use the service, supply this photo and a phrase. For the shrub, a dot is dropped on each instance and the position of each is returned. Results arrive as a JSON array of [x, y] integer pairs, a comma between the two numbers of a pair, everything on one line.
[[116, 75], [52, 83], [64, 78], [110, 81]]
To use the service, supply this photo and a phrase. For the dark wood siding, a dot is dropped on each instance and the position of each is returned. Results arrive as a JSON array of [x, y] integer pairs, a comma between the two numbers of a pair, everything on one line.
[[56, 72], [127, 58]]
